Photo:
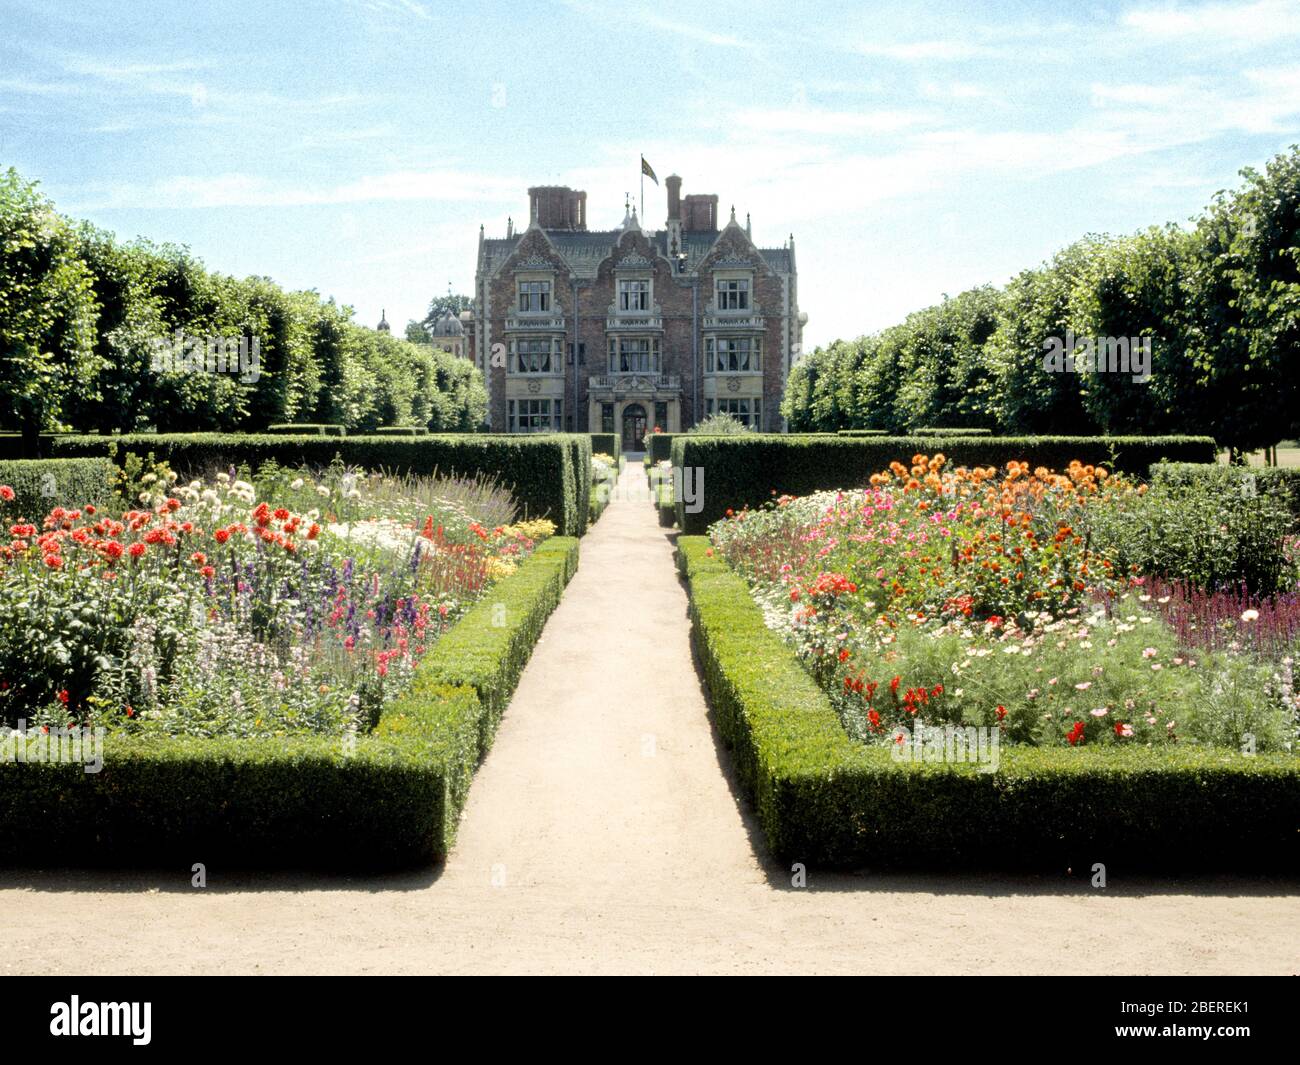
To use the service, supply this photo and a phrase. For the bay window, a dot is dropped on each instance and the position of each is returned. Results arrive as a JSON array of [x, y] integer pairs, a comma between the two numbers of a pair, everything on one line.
[[534, 415], [531, 355], [732, 354]]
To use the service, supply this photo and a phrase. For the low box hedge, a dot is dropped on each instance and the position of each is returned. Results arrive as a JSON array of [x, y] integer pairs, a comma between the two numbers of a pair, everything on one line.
[[861, 432], [401, 430], [1283, 481], [822, 798], [393, 801], [539, 470], [40, 484], [307, 429], [931, 430], [742, 471]]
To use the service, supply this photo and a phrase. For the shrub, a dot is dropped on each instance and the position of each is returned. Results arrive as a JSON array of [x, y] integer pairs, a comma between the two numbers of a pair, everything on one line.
[[823, 799], [720, 425], [307, 429], [1204, 530], [861, 432], [38, 484], [740, 472], [539, 470], [1235, 482], [393, 801], [930, 430], [401, 430]]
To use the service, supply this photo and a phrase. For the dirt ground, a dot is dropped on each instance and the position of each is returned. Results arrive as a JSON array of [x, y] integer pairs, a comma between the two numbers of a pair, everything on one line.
[[604, 835]]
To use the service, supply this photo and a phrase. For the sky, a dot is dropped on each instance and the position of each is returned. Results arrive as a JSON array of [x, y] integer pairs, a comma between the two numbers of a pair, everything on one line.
[[354, 147]]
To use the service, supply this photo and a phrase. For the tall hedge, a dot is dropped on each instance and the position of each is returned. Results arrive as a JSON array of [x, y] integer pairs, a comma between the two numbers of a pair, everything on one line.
[[542, 472], [748, 470]]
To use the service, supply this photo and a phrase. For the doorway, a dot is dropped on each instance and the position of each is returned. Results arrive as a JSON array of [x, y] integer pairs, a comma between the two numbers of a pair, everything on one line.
[[634, 427]]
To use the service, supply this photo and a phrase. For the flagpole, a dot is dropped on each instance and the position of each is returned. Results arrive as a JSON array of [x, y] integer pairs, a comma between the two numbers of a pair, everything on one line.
[[643, 190]]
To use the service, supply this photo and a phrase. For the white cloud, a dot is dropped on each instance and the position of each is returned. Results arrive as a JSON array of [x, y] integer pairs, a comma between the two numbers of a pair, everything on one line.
[[918, 51], [1260, 22]]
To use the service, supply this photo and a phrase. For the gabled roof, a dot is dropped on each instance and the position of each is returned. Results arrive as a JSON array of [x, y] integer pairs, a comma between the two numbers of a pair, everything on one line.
[[585, 250]]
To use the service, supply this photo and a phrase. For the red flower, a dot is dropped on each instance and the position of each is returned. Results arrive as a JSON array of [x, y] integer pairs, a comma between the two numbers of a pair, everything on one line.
[[136, 550], [221, 535], [1075, 734], [114, 550], [794, 595], [313, 531], [63, 696], [844, 654], [89, 508], [281, 514], [208, 571], [893, 685], [198, 558], [53, 561], [1002, 712], [6, 493]]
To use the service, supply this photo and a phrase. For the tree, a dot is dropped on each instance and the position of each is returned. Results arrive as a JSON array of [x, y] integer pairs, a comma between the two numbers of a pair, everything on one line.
[[438, 306], [47, 312]]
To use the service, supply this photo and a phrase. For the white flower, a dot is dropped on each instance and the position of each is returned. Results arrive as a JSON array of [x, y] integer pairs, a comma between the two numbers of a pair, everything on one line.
[[296, 483], [1149, 652], [321, 490], [1101, 711], [1250, 615]]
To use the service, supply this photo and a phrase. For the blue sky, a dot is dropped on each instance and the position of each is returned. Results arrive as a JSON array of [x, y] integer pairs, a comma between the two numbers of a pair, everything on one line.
[[354, 146]]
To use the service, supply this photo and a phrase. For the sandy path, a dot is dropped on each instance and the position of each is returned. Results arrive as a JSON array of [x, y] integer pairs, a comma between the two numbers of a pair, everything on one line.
[[603, 835]]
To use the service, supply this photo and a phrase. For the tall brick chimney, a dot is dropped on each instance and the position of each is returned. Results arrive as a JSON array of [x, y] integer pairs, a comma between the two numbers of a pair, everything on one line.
[[558, 207], [674, 184], [700, 213]]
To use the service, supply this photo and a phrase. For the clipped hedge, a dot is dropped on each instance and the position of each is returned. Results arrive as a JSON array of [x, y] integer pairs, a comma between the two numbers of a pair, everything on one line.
[[931, 430], [745, 471], [401, 430], [307, 429], [539, 470], [606, 444], [822, 798], [1282, 481], [40, 484], [579, 449], [861, 432], [393, 801]]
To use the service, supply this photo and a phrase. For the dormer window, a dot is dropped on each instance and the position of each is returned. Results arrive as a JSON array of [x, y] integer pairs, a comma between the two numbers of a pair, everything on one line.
[[634, 295], [733, 294], [534, 296]]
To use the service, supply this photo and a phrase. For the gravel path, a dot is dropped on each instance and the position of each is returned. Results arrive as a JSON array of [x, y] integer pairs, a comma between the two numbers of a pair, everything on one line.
[[603, 835]]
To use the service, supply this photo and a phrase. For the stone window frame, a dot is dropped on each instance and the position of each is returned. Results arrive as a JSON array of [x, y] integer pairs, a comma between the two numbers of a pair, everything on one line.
[[648, 295], [653, 350], [530, 278], [728, 277], [753, 416], [549, 408], [555, 365], [711, 342]]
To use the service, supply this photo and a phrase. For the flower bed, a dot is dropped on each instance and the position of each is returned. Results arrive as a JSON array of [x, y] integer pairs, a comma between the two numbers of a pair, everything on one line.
[[267, 685], [998, 606]]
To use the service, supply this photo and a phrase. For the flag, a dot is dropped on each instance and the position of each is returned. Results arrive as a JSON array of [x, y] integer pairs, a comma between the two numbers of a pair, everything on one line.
[[648, 171]]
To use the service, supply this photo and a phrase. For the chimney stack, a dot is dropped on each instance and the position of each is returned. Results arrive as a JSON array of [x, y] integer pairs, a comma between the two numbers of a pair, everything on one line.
[[558, 207], [674, 184]]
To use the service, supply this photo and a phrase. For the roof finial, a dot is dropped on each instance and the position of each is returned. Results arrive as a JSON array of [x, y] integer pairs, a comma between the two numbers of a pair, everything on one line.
[[733, 212], [747, 229]]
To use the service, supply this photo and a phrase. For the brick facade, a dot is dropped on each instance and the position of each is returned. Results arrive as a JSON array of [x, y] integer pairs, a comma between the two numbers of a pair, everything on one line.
[[596, 330]]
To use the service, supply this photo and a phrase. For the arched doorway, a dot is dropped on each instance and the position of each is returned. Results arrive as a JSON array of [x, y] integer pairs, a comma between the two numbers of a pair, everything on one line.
[[634, 427]]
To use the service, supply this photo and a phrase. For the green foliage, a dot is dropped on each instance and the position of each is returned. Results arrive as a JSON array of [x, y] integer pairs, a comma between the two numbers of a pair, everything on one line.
[[40, 484], [539, 471], [719, 425], [821, 798], [83, 318], [306, 429], [1216, 531], [47, 311], [1235, 482], [930, 430], [1220, 304], [748, 471], [394, 800]]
